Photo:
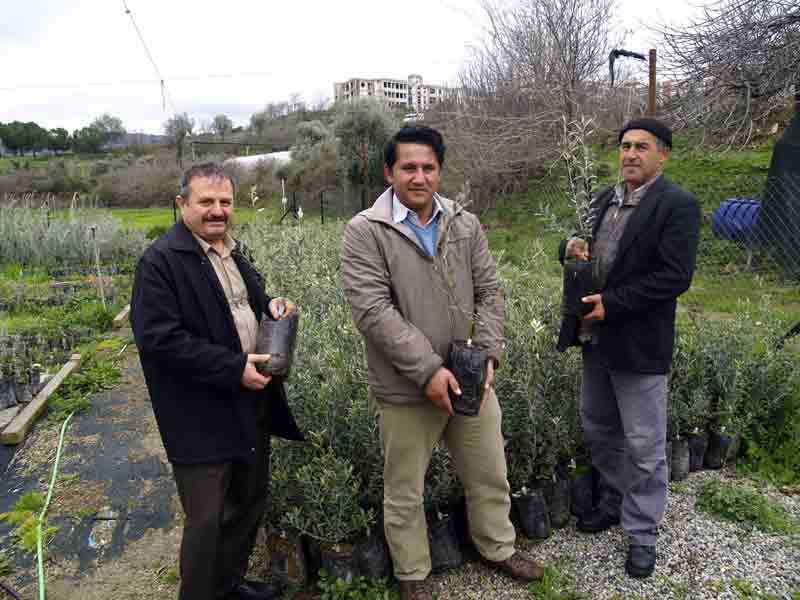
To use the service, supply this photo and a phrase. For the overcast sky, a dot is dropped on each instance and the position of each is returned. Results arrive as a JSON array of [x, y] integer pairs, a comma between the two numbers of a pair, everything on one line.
[[62, 63]]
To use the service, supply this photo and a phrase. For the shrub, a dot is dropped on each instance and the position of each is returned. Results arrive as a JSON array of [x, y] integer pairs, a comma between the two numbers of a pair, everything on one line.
[[743, 504]]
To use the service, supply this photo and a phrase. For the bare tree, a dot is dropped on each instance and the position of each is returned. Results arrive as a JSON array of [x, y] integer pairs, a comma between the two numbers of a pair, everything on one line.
[[545, 50], [735, 66]]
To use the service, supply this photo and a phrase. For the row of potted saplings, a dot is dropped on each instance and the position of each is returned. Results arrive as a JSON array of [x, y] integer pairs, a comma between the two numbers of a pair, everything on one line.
[[19, 297], [25, 362]]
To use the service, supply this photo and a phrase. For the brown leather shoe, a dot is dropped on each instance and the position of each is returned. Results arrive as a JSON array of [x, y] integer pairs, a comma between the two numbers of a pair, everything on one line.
[[415, 590], [520, 567]]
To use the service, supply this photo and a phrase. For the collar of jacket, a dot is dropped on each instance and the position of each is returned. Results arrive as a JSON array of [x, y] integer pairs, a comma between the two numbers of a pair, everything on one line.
[[381, 212], [647, 205]]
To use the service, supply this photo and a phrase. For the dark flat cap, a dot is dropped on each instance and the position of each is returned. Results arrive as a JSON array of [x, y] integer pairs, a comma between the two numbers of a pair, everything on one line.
[[654, 126]]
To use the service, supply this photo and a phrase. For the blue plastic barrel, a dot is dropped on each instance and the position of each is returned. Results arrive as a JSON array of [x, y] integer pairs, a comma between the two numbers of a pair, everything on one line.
[[736, 219]]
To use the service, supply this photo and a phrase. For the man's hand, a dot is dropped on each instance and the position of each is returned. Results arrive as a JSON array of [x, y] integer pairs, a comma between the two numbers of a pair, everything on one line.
[[436, 390], [489, 381], [598, 312], [280, 308], [251, 378]]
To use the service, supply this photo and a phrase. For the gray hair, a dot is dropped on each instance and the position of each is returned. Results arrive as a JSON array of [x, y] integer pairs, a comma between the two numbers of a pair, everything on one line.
[[210, 170]]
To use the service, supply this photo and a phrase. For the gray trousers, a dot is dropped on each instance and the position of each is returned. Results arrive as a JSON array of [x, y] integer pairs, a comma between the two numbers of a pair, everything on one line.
[[625, 426]]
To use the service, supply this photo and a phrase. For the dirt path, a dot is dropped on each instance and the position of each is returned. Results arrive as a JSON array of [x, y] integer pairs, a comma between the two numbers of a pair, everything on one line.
[[115, 504]]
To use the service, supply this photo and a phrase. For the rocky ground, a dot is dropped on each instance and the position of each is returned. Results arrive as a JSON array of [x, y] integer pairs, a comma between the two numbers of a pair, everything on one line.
[[119, 527]]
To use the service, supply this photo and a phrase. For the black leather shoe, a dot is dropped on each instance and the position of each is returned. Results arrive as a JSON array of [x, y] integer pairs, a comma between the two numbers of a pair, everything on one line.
[[641, 561], [596, 522], [255, 590]]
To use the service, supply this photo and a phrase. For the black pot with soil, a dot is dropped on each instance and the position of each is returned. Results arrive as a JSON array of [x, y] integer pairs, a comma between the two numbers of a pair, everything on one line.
[[578, 282], [719, 445], [8, 397], [339, 560], [698, 443], [372, 555], [288, 558], [680, 459], [458, 511], [531, 513], [467, 362], [581, 491], [278, 339], [443, 542], [557, 497]]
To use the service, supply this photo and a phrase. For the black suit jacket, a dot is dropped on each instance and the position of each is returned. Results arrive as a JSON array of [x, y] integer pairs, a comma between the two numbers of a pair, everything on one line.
[[654, 265], [192, 357]]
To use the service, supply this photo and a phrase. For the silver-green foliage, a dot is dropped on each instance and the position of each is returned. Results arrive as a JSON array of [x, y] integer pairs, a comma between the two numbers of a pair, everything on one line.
[[35, 239]]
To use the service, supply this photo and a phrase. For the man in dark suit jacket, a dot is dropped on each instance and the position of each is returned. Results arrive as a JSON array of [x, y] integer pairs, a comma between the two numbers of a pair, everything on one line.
[[195, 310], [644, 245]]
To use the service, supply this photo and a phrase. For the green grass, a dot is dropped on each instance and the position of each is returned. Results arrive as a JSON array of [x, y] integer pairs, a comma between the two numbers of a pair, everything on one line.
[[743, 504], [553, 586]]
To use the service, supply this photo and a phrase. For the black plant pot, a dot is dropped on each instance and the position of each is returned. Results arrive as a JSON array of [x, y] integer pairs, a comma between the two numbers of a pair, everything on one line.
[[468, 365], [556, 494], [532, 514], [372, 554], [289, 561], [719, 445], [698, 443], [443, 542], [8, 397], [278, 339], [578, 281], [581, 493], [458, 511], [680, 459], [340, 561]]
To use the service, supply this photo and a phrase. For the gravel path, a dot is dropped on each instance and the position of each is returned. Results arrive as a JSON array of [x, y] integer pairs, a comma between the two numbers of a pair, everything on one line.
[[699, 558]]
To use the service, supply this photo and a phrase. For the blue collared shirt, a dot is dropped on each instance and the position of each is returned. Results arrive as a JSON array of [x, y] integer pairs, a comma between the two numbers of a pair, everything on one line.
[[426, 234]]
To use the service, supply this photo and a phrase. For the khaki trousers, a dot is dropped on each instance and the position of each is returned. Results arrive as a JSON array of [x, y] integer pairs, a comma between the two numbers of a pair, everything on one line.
[[409, 434]]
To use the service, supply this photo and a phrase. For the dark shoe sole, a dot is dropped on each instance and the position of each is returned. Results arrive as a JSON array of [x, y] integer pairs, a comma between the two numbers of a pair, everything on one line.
[[638, 573]]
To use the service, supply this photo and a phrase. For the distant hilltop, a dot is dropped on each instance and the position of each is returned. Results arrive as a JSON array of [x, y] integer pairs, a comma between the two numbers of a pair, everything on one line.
[[138, 139]]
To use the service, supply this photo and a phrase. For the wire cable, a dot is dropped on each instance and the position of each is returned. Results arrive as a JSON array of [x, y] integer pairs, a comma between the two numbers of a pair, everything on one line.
[[164, 93]]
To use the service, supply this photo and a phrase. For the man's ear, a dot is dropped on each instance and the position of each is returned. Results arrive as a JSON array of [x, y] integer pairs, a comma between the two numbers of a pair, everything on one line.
[[387, 173], [180, 201]]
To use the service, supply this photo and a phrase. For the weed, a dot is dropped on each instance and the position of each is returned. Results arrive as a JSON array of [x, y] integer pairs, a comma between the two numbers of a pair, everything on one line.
[[5, 564], [96, 374], [25, 515], [679, 488], [551, 587], [745, 590], [170, 577], [743, 504], [357, 589]]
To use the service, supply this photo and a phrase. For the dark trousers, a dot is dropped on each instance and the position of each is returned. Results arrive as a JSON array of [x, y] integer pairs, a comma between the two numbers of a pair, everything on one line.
[[224, 503], [625, 427]]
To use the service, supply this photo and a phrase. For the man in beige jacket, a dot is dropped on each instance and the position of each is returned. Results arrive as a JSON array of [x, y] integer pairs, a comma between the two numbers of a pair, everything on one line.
[[416, 269]]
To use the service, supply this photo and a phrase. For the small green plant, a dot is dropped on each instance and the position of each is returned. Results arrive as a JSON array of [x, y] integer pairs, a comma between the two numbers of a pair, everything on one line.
[[5, 564], [24, 515], [551, 587], [96, 374], [743, 504], [170, 577], [330, 492], [357, 589], [745, 590]]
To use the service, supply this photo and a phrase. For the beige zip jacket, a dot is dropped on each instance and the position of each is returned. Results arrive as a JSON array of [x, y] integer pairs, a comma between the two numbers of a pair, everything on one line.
[[409, 306]]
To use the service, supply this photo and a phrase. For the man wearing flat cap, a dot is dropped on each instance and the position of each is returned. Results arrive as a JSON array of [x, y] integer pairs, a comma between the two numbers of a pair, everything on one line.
[[644, 243]]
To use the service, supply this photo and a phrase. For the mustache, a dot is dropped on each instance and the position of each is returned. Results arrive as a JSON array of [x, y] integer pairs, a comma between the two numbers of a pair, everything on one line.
[[216, 220]]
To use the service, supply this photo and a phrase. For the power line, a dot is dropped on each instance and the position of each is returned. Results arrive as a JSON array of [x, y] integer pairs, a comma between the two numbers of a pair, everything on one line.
[[164, 92]]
